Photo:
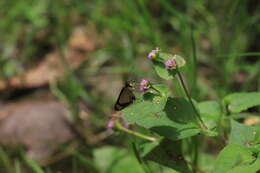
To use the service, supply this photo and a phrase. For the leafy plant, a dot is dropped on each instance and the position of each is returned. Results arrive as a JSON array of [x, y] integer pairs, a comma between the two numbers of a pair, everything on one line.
[[171, 121]]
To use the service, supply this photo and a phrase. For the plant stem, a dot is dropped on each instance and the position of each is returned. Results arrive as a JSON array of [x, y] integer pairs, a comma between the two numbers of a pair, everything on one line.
[[195, 167], [161, 94], [149, 138], [187, 94]]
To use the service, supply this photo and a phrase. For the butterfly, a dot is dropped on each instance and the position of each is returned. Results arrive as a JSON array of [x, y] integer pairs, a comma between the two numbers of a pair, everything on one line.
[[126, 97]]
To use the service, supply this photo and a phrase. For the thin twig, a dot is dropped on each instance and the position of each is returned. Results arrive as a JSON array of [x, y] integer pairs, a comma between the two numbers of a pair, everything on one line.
[[122, 128], [187, 94]]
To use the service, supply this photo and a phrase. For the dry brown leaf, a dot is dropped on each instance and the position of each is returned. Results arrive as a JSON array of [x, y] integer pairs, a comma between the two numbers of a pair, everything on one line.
[[79, 46]]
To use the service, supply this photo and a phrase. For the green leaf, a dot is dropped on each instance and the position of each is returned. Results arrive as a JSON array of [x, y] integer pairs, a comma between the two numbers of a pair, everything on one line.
[[175, 121], [167, 153], [238, 102], [151, 102], [139, 111], [159, 96], [163, 89], [160, 67], [114, 160], [210, 111], [233, 157], [164, 73], [179, 60], [244, 135], [251, 168], [206, 161], [255, 148]]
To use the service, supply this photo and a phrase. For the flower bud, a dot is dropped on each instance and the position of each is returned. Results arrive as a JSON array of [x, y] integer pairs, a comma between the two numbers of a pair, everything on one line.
[[144, 85], [153, 53], [170, 64]]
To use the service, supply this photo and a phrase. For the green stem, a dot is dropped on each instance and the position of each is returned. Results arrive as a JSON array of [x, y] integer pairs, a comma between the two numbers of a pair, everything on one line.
[[187, 94], [122, 128], [161, 94]]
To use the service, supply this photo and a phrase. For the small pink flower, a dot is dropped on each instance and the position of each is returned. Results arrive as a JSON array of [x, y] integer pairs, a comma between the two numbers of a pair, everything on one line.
[[170, 64], [144, 85], [153, 53], [111, 124]]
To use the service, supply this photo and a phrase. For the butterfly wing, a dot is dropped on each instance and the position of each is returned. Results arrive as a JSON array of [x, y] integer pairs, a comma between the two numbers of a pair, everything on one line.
[[126, 97]]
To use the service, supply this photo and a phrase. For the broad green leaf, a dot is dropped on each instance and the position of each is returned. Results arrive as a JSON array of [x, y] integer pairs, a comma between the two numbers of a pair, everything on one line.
[[238, 102], [163, 89], [255, 148], [244, 135], [164, 73], [164, 126], [210, 111], [139, 111], [151, 102], [114, 160], [158, 95], [206, 161], [167, 153], [160, 67], [253, 167], [176, 121], [231, 157]]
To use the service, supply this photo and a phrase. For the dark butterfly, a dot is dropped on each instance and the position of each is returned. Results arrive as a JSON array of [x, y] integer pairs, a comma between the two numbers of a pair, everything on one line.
[[126, 97]]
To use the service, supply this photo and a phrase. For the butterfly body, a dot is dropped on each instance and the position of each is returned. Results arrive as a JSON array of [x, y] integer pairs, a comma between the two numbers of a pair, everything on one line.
[[125, 98]]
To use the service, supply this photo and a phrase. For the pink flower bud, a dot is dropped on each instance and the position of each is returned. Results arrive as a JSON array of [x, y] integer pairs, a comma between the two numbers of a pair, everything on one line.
[[170, 64], [144, 85], [153, 53]]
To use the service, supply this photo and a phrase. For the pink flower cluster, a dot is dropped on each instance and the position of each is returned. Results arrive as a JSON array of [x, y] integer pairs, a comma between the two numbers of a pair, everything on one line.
[[144, 85], [153, 53], [170, 64]]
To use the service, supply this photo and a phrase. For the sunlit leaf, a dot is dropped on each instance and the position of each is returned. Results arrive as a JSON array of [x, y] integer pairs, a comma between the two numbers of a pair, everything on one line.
[[210, 111], [238, 102], [175, 121], [235, 158], [244, 135]]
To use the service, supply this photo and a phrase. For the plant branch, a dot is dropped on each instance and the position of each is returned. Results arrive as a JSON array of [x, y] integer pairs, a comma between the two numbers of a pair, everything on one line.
[[187, 94], [122, 128]]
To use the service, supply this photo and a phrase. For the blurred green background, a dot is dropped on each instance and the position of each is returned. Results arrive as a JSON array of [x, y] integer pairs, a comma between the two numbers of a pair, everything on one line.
[[95, 45]]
